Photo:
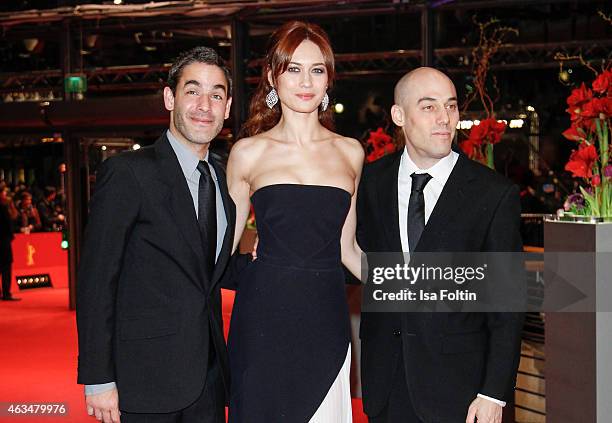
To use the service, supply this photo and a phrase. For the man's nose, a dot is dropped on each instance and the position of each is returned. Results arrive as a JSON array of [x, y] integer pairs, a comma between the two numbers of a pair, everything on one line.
[[204, 103], [443, 117]]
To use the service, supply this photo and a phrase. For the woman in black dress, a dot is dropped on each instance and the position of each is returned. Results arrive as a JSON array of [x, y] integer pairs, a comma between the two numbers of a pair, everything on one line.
[[289, 339]]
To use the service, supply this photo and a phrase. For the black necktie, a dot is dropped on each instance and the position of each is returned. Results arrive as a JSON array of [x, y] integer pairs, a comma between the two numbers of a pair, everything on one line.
[[207, 215], [416, 209]]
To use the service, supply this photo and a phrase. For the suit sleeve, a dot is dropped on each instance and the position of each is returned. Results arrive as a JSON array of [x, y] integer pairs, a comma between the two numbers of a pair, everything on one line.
[[505, 329], [237, 263], [113, 213]]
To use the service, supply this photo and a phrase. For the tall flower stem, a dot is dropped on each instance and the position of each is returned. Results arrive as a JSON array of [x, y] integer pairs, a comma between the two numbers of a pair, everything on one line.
[[591, 201], [605, 196], [602, 137], [491, 38], [489, 154], [604, 145]]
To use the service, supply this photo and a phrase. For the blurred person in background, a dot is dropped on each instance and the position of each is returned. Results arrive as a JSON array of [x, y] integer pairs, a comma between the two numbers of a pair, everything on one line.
[[18, 191], [50, 214], [7, 214], [28, 219]]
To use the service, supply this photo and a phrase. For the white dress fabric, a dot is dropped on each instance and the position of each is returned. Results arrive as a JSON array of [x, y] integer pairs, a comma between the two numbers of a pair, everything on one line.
[[336, 406]]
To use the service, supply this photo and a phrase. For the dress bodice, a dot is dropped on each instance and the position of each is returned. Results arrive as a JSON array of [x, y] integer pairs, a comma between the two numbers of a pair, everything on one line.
[[300, 225]]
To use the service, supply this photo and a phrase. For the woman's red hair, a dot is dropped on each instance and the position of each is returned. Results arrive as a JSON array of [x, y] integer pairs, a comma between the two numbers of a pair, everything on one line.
[[283, 43]]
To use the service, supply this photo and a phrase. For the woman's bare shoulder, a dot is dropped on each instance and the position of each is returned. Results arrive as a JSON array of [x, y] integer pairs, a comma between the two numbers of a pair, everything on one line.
[[248, 149], [351, 148]]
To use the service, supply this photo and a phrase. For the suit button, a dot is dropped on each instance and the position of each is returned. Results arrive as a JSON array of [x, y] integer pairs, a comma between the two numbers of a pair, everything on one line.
[[397, 333]]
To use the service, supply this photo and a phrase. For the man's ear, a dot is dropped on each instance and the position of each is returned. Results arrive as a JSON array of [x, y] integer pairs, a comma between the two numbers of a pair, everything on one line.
[[228, 107], [168, 99], [397, 115]]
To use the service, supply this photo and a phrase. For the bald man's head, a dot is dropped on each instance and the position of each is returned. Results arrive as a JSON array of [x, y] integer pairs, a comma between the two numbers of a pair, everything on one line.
[[416, 76], [426, 110]]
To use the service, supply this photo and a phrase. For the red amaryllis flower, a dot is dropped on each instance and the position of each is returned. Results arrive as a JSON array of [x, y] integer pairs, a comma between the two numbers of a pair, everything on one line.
[[378, 145], [606, 105], [578, 98], [477, 133], [374, 155], [596, 180], [574, 133], [603, 82], [488, 130], [496, 131], [593, 108], [581, 161], [379, 138], [377, 153], [470, 147]]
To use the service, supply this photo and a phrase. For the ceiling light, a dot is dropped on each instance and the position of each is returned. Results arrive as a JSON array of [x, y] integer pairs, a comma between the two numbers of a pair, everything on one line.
[[30, 44], [90, 40]]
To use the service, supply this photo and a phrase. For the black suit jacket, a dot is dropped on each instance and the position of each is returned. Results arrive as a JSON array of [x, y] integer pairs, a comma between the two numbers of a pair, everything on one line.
[[147, 315], [448, 357]]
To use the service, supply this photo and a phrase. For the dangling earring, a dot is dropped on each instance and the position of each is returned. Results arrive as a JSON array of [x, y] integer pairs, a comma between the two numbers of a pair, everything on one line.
[[325, 102], [272, 98]]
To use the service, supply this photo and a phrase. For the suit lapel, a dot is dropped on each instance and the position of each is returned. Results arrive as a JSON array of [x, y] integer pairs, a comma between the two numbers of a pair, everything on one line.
[[180, 202], [447, 209], [387, 194], [230, 215]]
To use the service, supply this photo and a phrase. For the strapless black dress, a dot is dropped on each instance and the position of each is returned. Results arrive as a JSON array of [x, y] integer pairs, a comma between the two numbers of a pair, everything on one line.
[[290, 329]]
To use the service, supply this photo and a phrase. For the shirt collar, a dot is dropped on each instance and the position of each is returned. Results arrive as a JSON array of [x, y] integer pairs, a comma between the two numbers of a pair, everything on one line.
[[440, 171], [187, 160]]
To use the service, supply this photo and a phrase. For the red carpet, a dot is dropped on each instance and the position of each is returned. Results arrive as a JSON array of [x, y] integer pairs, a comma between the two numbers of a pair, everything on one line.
[[38, 354]]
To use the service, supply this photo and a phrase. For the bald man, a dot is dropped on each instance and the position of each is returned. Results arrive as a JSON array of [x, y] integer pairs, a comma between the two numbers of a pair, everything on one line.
[[436, 367]]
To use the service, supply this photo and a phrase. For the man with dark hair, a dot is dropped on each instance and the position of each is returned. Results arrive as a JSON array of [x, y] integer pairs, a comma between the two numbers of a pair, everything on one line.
[[159, 238], [197, 55]]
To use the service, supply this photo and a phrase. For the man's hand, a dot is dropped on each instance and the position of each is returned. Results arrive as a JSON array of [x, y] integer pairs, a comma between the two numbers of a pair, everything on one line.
[[104, 406], [485, 411]]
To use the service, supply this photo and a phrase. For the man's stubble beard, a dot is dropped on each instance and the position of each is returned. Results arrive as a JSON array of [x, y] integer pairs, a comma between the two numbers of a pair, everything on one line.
[[206, 138]]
